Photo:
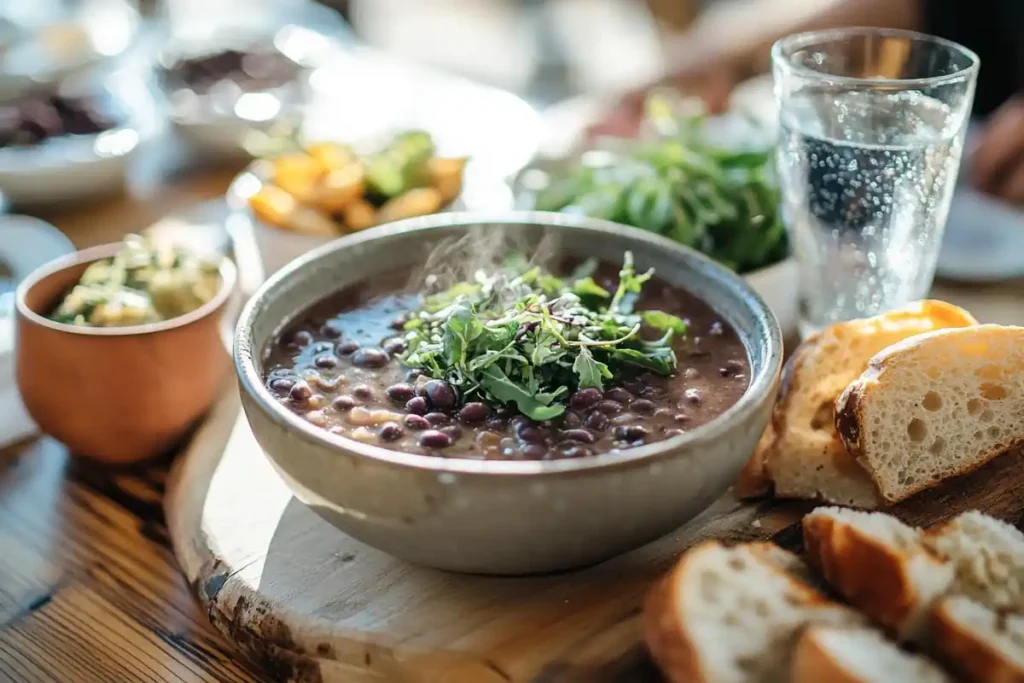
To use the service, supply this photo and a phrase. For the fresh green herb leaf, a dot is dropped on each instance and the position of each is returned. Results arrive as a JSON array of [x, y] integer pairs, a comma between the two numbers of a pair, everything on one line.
[[664, 321], [590, 371]]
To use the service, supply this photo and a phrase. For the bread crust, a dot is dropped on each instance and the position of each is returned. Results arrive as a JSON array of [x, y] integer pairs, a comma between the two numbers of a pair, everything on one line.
[[843, 479], [666, 635], [850, 415], [872, 575], [968, 653]]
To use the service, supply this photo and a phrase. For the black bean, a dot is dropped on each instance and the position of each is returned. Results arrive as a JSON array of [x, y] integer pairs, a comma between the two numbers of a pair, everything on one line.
[[399, 321], [643, 406], [497, 424], [394, 346], [504, 411], [664, 413], [681, 418], [400, 393], [348, 347], [585, 397], [300, 339], [634, 386], [608, 407], [581, 435], [370, 358], [343, 402], [440, 394], [734, 368], [300, 391], [435, 439], [363, 392], [716, 329], [693, 397], [571, 420], [412, 375], [416, 405], [474, 412], [531, 435], [330, 329], [454, 431], [416, 422], [618, 394], [326, 362], [597, 421], [281, 385], [534, 451], [390, 431], [437, 419], [631, 432]]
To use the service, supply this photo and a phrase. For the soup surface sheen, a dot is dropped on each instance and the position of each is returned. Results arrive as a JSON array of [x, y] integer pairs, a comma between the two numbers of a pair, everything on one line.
[[338, 367]]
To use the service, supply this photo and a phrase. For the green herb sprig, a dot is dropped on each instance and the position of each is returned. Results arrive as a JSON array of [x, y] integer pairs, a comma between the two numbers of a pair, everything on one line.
[[528, 338]]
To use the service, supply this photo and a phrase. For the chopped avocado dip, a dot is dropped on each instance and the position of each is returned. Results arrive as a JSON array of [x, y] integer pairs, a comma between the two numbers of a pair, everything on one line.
[[525, 337], [142, 283]]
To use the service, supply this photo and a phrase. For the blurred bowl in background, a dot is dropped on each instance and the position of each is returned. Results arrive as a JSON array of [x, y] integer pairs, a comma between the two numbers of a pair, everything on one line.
[[53, 161], [73, 42], [220, 89], [117, 394]]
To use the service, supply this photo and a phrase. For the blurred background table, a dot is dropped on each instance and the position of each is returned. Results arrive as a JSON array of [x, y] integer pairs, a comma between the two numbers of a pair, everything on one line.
[[89, 589]]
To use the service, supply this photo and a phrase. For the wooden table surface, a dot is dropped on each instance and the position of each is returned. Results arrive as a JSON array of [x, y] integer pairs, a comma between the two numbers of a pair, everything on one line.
[[89, 589]]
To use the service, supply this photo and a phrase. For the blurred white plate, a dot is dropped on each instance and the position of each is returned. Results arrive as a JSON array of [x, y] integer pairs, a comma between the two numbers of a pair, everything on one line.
[[25, 244], [73, 43], [984, 239]]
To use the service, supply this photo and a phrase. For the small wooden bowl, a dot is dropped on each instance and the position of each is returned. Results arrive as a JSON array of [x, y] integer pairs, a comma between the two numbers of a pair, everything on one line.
[[116, 394]]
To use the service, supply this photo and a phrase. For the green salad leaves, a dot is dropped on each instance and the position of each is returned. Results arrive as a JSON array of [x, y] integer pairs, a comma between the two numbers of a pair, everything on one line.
[[722, 202], [525, 337]]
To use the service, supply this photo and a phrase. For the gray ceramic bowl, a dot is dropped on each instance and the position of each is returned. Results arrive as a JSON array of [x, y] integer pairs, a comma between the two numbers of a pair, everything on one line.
[[505, 517]]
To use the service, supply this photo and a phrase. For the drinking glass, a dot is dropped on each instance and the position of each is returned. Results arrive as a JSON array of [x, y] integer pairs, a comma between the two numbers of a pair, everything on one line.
[[872, 126]]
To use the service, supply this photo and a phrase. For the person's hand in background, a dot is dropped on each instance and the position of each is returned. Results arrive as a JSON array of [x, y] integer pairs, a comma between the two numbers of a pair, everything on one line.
[[712, 80], [997, 166]]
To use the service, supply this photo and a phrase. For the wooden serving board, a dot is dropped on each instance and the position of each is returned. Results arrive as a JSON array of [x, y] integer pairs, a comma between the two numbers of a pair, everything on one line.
[[308, 603]]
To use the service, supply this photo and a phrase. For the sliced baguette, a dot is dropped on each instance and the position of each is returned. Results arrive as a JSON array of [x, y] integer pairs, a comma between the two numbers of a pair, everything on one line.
[[800, 455], [733, 615], [935, 406], [977, 643], [856, 655], [879, 565]]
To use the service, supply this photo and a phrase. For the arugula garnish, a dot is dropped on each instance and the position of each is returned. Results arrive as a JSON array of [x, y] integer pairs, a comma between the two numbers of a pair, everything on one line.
[[522, 336]]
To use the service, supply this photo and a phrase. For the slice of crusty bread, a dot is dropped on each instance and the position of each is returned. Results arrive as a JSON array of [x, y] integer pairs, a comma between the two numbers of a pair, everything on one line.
[[856, 655], [979, 644], [880, 565], [987, 556], [935, 406], [733, 615], [800, 455]]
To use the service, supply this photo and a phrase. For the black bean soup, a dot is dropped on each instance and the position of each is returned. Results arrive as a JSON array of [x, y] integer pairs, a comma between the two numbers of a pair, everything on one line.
[[338, 367]]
